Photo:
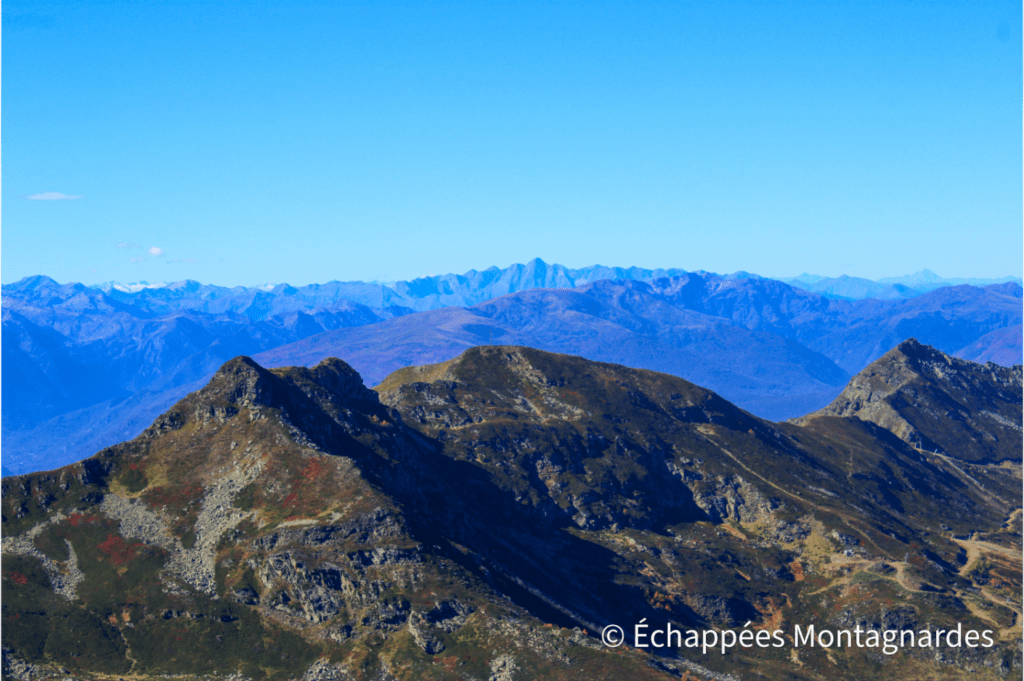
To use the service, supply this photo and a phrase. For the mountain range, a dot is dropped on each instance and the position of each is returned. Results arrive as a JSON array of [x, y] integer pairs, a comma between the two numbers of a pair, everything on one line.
[[91, 367], [469, 288], [425, 293], [485, 518], [888, 288]]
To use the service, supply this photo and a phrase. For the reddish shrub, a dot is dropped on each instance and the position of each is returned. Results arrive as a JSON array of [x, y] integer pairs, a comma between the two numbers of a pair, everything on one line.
[[312, 471], [119, 551]]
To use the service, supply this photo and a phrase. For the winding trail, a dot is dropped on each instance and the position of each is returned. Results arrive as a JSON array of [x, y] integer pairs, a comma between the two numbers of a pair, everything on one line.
[[976, 550]]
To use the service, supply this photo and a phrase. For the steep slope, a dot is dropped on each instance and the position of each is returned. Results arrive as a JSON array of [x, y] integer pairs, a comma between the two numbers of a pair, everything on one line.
[[271, 525], [292, 524], [939, 403], [836, 514]]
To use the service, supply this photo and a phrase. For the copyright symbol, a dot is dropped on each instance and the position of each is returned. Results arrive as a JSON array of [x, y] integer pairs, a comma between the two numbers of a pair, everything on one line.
[[612, 636]]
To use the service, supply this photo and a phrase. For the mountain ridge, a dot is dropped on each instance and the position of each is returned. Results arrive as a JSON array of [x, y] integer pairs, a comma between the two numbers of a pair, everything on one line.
[[914, 390], [292, 523], [471, 287]]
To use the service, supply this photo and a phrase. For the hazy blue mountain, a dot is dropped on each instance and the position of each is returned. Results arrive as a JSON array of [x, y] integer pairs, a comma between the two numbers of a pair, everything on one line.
[[1001, 346], [852, 288], [926, 280], [622, 322], [425, 293], [469, 288], [91, 366], [888, 288], [775, 350]]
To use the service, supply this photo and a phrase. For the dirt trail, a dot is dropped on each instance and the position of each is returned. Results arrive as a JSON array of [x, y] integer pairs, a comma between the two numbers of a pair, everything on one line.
[[1012, 518], [976, 550], [979, 545], [973, 554], [961, 466], [980, 613], [860, 565], [853, 523]]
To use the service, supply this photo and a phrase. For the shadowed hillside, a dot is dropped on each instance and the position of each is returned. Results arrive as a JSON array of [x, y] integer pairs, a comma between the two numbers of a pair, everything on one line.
[[489, 515]]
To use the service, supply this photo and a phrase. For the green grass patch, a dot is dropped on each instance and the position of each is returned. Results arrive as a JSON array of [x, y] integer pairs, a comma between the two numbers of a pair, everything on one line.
[[226, 637], [133, 478]]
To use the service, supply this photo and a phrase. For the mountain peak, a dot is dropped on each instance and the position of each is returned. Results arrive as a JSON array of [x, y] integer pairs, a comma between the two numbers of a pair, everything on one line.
[[338, 378], [240, 369], [531, 385], [241, 383], [915, 348], [919, 392], [33, 282]]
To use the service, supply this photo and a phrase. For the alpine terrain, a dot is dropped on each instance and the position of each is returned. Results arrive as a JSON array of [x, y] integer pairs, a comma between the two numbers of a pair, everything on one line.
[[488, 516]]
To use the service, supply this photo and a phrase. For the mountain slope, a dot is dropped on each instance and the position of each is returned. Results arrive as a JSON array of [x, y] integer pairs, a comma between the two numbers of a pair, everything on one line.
[[290, 523], [1001, 346], [940, 403], [262, 527], [91, 371]]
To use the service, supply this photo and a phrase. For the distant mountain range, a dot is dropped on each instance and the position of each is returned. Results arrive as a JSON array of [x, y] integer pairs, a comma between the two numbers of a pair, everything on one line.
[[425, 293], [470, 288], [889, 288], [93, 366]]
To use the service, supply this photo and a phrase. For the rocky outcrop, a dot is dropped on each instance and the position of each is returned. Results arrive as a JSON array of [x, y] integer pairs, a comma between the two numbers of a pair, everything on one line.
[[302, 583], [731, 498], [503, 668], [64, 579]]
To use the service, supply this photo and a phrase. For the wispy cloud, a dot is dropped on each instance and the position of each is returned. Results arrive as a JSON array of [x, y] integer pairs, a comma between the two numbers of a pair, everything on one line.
[[128, 244], [157, 251], [53, 196], [169, 262], [136, 259]]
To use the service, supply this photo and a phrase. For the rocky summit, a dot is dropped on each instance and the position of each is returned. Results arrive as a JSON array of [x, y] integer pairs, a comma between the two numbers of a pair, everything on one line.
[[939, 403], [487, 517]]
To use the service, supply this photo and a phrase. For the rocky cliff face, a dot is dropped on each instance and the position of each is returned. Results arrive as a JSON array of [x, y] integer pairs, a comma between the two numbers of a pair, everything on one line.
[[484, 519]]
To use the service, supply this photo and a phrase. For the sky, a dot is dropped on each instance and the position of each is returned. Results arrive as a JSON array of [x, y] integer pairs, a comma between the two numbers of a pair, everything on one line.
[[239, 143]]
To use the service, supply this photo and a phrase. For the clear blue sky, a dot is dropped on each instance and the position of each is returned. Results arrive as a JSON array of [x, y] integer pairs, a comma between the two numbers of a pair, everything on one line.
[[252, 142]]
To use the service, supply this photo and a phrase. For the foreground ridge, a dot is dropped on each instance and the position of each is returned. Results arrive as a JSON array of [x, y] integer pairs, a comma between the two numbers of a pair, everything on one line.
[[486, 517]]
